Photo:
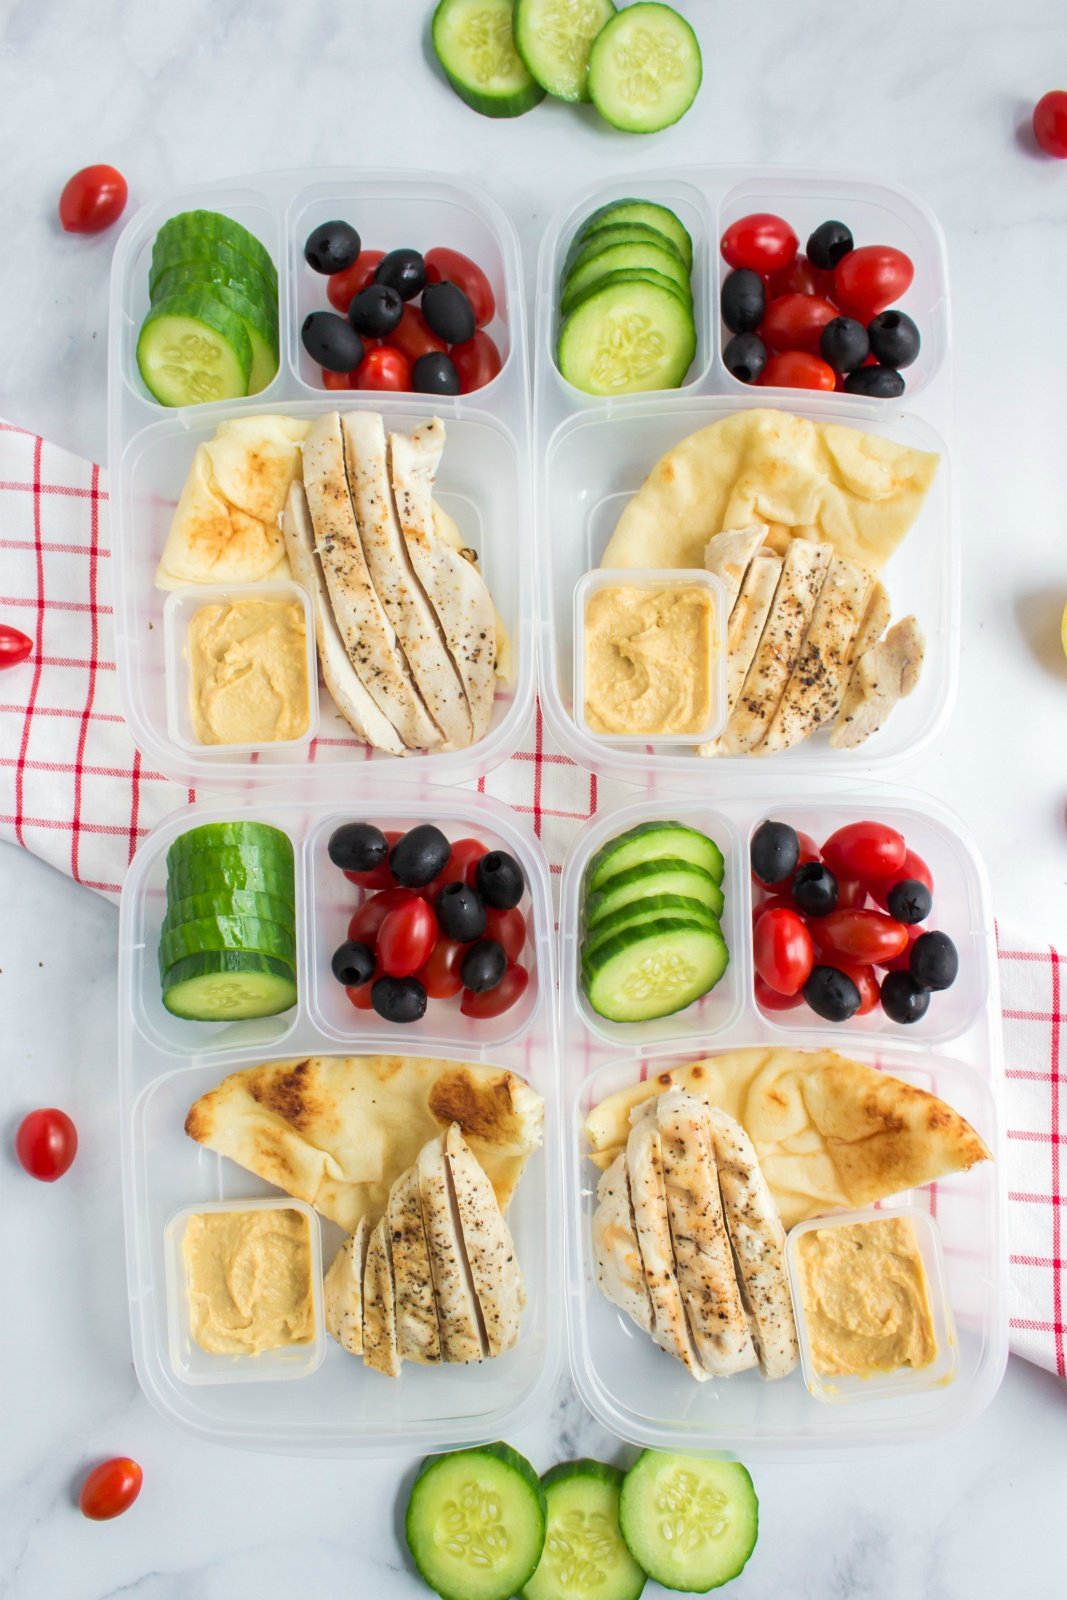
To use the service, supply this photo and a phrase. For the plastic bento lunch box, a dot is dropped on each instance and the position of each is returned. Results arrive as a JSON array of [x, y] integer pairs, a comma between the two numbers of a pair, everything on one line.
[[631, 1387], [328, 1403], [483, 482], [594, 453]]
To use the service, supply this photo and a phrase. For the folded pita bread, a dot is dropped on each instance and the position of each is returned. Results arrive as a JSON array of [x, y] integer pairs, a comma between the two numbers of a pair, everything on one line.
[[816, 480], [337, 1131], [828, 1131]]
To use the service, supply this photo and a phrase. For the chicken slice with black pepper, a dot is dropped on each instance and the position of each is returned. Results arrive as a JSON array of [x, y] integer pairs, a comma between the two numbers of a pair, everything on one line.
[[729, 555], [620, 1273], [417, 1335], [489, 1247], [884, 674], [379, 1306], [817, 683], [342, 1292], [644, 1168], [458, 1312]]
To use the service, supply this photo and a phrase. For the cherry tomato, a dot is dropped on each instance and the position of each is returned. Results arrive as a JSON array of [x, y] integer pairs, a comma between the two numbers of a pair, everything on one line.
[[494, 1002], [771, 1000], [477, 362], [795, 322], [796, 369], [439, 975], [367, 919], [783, 951], [406, 938], [46, 1144], [337, 380], [414, 337], [869, 937], [110, 1489], [92, 200], [459, 868], [380, 877], [809, 850], [800, 277], [361, 996], [762, 242], [450, 266], [866, 981], [1050, 123], [15, 646], [912, 866], [383, 369], [774, 902], [507, 928], [342, 287], [851, 895], [865, 850], [871, 278], [901, 962]]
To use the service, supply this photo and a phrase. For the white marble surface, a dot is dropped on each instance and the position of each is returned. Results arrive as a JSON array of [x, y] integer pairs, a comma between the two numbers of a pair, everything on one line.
[[928, 95]]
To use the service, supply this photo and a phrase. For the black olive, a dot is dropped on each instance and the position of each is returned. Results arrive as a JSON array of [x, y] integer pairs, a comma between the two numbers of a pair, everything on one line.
[[483, 966], [745, 356], [827, 245], [332, 246], [399, 999], [742, 300], [448, 312], [881, 383], [815, 889], [353, 963], [434, 373], [909, 901], [894, 339], [498, 879], [774, 852], [419, 856], [831, 994], [404, 271], [934, 961], [357, 847], [460, 913], [904, 1000], [331, 341], [844, 344], [375, 310]]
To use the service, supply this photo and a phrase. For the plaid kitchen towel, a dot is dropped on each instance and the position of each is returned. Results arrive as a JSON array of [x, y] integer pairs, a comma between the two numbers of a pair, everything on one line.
[[75, 791]]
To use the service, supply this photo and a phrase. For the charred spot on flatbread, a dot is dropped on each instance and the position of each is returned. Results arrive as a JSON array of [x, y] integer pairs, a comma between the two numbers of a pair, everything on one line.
[[482, 1111], [292, 1094]]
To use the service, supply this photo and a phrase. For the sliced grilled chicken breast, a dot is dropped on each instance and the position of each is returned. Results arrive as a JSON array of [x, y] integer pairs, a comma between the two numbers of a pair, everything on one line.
[[619, 1272], [729, 555], [379, 1305], [644, 1168], [803, 572], [817, 683], [703, 1262], [884, 674], [417, 629], [747, 622], [366, 632], [342, 1292], [490, 1249], [339, 675], [453, 586], [458, 1314], [417, 1334], [875, 620], [758, 1240]]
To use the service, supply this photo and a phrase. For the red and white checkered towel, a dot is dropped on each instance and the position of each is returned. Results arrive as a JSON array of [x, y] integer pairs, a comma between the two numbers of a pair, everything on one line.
[[73, 790]]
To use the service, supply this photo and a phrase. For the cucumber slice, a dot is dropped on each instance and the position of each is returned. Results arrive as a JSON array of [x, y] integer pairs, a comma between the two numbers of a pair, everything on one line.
[[571, 303], [650, 841], [585, 1554], [613, 233], [228, 985], [193, 251], [219, 229], [627, 339], [241, 835], [647, 908], [226, 933], [646, 212], [192, 350], [259, 318], [649, 879], [230, 903], [475, 1523], [654, 970], [219, 871], [647, 259], [212, 275], [554, 38], [690, 1522], [474, 42], [644, 68]]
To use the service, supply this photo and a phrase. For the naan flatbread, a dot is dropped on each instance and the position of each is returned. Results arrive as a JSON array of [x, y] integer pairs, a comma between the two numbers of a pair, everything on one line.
[[337, 1131], [828, 1131], [815, 480]]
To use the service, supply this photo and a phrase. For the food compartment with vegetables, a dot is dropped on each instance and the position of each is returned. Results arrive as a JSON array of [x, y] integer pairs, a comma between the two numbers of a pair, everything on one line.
[[438, 1331]]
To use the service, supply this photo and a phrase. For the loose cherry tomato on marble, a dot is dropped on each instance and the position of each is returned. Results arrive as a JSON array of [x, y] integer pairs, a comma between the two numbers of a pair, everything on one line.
[[380, 877], [110, 1489], [902, 962], [440, 975], [795, 322], [494, 1002], [912, 866], [92, 200], [771, 1000], [762, 242], [367, 919], [15, 646], [46, 1144], [342, 287], [450, 266], [384, 368], [477, 362], [871, 278], [796, 369], [867, 937], [867, 850], [414, 337], [1050, 123], [782, 950], [406, 938], [866, 980], [508, 928]]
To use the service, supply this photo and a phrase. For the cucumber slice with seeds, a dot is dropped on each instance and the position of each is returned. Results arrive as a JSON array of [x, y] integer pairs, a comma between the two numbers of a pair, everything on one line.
[[228, 986], [585, 1555], [691, 1523], [644, 68], [192, 350], [475, 1523], [646, 212], [260, 320], [627, 338], [654, 970], [213, 226], [554, 38], [650, 841], [474, 42]]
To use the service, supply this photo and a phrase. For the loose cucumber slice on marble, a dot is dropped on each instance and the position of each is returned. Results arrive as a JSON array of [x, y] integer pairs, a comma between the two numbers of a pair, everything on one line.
[[644, 68], [585, 1554], [475, 1523], [474, 42], [691, 1523], [192, 349], [227, 986], [554, 38]]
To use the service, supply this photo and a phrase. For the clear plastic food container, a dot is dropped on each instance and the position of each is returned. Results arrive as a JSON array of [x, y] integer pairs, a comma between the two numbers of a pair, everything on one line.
[[483, 481], [631, 1387], [166, 1063]]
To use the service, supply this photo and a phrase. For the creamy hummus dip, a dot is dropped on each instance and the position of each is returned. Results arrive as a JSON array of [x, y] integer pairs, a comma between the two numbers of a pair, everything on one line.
[[865, 1298], [649, 655], [248, 672], [248, 1277]]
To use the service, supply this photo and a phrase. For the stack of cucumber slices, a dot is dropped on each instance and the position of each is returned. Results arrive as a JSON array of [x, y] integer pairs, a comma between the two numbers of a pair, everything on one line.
[[651, 942], [227, 949], [212, 330], [626, 301]]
